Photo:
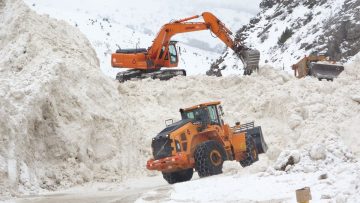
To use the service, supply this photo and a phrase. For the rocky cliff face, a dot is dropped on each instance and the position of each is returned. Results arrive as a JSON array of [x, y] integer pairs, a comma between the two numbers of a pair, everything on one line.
[[331, 27], [284, 31]]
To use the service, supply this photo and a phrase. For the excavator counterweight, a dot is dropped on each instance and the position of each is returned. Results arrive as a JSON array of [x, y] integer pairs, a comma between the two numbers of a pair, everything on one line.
[[147, 63]]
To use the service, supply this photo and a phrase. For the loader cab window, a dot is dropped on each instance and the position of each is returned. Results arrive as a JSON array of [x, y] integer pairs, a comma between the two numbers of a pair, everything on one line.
[[189, 115], [194, 115], [197, 115], [213, 115], [173, 54]]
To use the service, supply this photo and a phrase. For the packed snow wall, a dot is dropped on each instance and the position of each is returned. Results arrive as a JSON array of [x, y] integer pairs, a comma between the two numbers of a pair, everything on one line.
[[63, 123]]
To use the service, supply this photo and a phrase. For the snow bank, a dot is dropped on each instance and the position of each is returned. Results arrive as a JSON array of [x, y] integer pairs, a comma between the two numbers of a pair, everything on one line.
[[63, 123], [311, 128]]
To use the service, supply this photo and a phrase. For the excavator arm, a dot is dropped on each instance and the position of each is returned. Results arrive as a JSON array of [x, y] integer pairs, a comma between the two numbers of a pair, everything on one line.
[[211, 23], [166, 33], [157, 55]]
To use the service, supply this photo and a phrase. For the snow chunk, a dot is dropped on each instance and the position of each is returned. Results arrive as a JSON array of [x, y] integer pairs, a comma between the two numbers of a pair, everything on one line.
[[294, 121], [287, 159], [356, 98], [318, 151], [231, 167]]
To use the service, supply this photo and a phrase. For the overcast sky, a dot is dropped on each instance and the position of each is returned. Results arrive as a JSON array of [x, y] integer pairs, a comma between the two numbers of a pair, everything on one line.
[[250, 6]]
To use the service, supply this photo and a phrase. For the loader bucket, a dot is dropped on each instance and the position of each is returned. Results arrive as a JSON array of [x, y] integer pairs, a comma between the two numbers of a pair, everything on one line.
[[260, 143], [325, 71], [256, 134]]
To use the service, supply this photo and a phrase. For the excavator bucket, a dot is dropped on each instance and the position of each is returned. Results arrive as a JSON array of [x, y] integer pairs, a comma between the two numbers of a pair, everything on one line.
[[250, 58], [325, 70]]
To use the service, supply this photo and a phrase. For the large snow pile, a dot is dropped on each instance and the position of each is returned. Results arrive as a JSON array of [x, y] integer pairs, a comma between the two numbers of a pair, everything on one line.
[[63, 123]]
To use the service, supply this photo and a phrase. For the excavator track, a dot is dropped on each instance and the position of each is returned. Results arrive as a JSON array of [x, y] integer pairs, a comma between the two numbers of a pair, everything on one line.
[[162, 74]]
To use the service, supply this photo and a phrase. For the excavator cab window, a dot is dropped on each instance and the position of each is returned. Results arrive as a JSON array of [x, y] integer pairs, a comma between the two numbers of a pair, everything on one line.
[[173, 54], [162, 52]]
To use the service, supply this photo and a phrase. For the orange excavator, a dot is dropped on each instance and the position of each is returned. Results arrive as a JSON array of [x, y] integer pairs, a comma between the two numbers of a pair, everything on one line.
[[147, 63]]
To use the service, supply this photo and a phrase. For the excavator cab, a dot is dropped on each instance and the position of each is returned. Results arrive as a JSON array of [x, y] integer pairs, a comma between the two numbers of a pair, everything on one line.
[[169, 55]]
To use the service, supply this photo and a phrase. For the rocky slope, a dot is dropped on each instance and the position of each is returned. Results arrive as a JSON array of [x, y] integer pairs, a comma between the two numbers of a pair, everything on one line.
[[285, 31], [331, 27]]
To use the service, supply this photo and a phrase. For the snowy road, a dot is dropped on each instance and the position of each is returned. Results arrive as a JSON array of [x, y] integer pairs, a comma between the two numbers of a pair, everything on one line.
[[235, 185], [106, 197], [128, 191]]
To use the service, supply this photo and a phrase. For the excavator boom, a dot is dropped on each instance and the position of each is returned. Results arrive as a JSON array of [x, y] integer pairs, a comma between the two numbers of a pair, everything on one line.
[[163, 53]]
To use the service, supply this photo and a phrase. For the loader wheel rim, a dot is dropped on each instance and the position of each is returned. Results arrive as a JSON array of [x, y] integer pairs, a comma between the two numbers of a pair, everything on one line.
[[215, 157]]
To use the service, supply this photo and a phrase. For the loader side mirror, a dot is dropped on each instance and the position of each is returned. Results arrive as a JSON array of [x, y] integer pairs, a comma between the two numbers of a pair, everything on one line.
[[169, 122]]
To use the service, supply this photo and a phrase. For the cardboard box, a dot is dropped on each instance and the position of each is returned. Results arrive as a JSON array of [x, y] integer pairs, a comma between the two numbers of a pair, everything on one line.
[[303, 195]]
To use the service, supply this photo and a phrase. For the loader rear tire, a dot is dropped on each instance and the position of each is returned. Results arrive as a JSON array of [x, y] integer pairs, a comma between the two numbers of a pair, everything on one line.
[[251, 152], [209, 158], [178, 176]]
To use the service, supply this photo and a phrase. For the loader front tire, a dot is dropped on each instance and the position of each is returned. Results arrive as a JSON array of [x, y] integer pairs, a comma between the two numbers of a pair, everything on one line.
[[251, 152], [178, 176], [209, 158]]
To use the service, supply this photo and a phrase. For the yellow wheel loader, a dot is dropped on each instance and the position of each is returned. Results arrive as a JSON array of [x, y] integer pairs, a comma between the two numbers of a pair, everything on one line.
[[318, 66], [202, 141]]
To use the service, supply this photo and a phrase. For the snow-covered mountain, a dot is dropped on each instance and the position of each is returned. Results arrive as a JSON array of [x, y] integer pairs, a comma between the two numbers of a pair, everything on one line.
[[128, 24], [285, 31]]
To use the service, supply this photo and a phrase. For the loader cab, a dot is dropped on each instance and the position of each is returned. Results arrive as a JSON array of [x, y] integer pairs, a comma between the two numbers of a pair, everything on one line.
[[204, 114]]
